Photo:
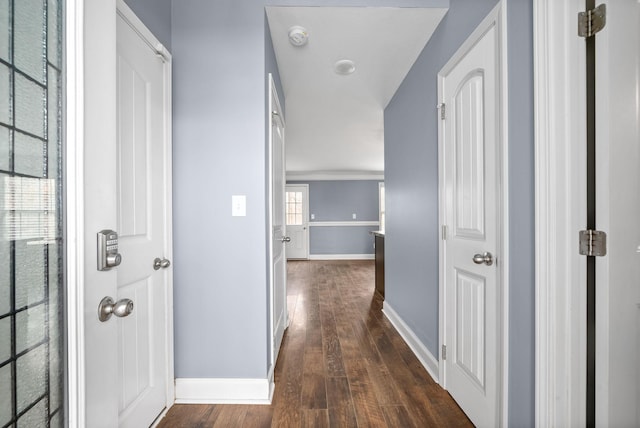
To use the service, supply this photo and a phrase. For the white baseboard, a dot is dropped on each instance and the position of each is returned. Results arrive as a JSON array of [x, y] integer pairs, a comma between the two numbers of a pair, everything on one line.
[[342, 256], [421, 352], [224, 391]]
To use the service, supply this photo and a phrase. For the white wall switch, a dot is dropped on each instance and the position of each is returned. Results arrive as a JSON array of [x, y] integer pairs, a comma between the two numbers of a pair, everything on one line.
[[313, 217], [238, 205], [354, 216]]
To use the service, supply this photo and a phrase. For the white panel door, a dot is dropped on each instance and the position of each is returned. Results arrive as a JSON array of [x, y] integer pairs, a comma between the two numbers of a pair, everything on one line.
[[143, 213], [618, 214], [470, 133], [297, 219], [278, 230]]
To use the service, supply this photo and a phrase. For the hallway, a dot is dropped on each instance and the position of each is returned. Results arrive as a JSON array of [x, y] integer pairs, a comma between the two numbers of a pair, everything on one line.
[[341, 364]]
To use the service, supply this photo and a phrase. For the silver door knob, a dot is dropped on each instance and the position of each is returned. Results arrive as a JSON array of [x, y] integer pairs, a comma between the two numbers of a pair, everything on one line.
[[285, 239], [485, 258], [161, 263], [107, 307]]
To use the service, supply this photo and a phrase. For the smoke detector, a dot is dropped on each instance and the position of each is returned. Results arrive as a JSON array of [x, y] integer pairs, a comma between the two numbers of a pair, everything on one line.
[[298, 36]]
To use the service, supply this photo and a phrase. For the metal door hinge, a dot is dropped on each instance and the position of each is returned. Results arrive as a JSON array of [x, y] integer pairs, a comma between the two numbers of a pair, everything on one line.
[[443, 111], [444, 232], [592, 21], [444, 352], [593, 243]]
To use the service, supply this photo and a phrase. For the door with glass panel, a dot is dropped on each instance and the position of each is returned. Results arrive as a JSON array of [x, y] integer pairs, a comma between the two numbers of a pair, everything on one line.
[[297, 219], [31, 239]]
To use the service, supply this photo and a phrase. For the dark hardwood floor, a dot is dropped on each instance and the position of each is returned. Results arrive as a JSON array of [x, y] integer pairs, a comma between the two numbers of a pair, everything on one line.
[[341, 364]]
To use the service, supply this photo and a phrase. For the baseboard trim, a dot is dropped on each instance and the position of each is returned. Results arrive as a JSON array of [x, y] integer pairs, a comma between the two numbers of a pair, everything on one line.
[[342, 256], [224, 391], [421, 352]]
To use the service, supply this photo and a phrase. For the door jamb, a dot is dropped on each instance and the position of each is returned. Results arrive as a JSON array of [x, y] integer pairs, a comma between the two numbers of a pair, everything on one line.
[[497, 17], [560, 180]]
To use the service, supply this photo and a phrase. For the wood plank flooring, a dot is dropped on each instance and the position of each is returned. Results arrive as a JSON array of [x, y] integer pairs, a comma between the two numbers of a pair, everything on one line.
[[342, 364]]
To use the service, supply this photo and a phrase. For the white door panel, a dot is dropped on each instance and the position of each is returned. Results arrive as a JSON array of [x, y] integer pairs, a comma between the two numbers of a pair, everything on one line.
[[278, 230], [297, 219], [469, 90], [618, 214], [142, 211]]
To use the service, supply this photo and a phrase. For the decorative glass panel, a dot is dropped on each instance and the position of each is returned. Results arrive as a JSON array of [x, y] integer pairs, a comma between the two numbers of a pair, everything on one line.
[[5, 89], [30, 101], [31, 377], [5, 394], [30, 327], [4, 36], [30, 38], [31, 283], [5, 339], [35, 416]]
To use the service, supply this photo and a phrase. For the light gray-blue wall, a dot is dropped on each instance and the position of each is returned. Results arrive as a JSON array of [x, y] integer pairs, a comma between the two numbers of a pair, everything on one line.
[[156, 15], [221, 267], [221, 263], [411, 182], [338, 200], [521, 214]]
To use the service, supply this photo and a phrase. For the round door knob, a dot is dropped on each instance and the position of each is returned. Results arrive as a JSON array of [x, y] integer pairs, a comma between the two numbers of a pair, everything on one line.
[[107, 308], [485, 258], [161, 263]]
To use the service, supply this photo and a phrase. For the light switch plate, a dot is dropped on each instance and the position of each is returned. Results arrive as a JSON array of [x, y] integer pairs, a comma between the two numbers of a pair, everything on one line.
[[354, 216], [238, 205], [313, 217]]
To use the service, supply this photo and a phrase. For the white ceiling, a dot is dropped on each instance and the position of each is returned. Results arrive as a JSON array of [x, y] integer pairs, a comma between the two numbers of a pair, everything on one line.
[[334, 123]]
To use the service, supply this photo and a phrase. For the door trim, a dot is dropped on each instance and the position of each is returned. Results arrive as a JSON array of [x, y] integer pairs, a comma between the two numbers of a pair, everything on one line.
[[560, 305], [497, 17], [74, 208], [130, 17]]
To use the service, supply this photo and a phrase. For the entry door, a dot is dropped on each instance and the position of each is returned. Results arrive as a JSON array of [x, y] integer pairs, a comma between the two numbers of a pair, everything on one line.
[[297, 219], [143, 215], [278, 231], [469, 91], [618, 214]]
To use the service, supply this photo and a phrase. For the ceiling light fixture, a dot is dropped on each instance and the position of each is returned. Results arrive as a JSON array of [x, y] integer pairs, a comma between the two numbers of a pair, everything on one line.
[[298, 36], [344, 67]]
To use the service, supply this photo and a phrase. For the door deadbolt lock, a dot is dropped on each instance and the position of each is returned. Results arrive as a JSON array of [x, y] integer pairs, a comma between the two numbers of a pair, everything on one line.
[[107, 307], [108, 255]]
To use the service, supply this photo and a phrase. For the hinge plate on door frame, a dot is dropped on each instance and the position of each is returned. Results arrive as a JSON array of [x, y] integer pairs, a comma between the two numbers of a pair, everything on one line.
[[593, 243], [443, 111], [592, 21], [444, 352]]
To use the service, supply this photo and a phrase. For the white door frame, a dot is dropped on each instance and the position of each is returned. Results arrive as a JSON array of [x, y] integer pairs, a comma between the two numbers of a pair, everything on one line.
[[83, 57], [497, 17], [74, 203], [560, 183]]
